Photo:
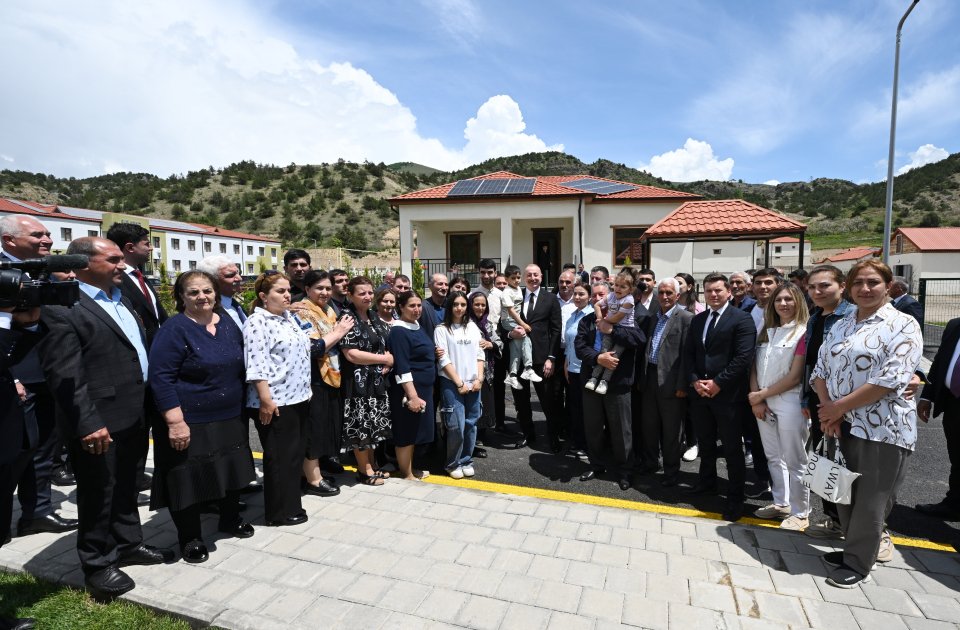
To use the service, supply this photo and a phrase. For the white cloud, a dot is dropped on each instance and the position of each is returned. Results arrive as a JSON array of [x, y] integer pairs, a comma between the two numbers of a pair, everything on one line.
[[772, 182], [6, 158], [180, 85], [929, 102], [460, 19], [694, 161], [926, 154]]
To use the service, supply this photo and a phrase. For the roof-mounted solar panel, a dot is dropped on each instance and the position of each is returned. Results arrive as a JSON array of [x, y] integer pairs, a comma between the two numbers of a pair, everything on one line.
[[499, 186], [465, 188], [599, 186]]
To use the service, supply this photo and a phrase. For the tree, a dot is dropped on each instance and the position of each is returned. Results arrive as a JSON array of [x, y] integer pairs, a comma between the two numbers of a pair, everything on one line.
[[350, 238], [178, 212], [288, 230], [930, 219], [417, 280]]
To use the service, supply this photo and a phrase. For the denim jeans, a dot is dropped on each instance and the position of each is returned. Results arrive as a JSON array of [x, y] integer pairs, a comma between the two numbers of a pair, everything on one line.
[[459, 414]]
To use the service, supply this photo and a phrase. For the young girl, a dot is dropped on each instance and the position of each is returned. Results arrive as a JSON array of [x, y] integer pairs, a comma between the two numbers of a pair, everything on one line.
[[619, 311]]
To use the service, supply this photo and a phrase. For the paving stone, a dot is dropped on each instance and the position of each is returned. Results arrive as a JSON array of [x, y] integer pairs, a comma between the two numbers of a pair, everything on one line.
[[562, 621], [444, 573], [684, 616], [481, 581], [500, 521], [734, 622], [847, 596], [706, 549], [610, 555], [478, 556], [780, 608], [519, 588], [526, 508], [482, 613], [507, 540], [920, 623], [746, 602], [540, 544], [938, 607], [667, 543], [646, 613], [822, 614], [526, 617], [561, 529], [404, 596], [938, 562], [752, 578], [512, 561], [613, 518], [877, 620], [442, 605], [221, 589], [895, 578], [562, 597], [367, 589], [591, 532], [936, 584], [406, 568], [530, 524], [735, 554], [630, 582], [444, 550], [712, 596], [600, 604], [795, 585], [552, 510], [653, 562], [679, 528], [474, 534], [668, 589], [586, 574], [288, 605], [581, 514], [690, 568], [333, 581], [800, 564], [624, 537], [548, 568], [254, 597], [190, 581], [890, 600], [575, 550], [239, 620]]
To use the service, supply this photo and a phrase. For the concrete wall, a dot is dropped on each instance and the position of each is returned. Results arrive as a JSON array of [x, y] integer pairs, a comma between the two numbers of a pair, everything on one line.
[[599, 219], [930, 266], [698, 259]]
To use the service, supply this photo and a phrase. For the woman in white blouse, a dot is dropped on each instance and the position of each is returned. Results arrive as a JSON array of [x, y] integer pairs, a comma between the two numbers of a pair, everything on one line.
[[775, 400], [864, 367], [461, 379], [277, 356]]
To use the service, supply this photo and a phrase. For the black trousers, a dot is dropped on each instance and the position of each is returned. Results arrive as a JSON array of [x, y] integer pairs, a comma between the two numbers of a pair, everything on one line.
[[951, 431], [283, 449], [188, 521], [713, 419], [546, 393], [499, 387], [613, 411], [33, 490], [107, 498], [661, 422], [829, 507], [575, 429], [9, 473]]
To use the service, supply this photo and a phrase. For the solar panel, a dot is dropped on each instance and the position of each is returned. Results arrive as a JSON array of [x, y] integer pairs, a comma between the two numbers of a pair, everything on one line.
[[499, 186], [599, 186]]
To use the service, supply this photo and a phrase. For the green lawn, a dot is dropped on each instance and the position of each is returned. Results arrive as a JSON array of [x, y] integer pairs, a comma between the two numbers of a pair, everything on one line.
[[64, 608], [845, 240]]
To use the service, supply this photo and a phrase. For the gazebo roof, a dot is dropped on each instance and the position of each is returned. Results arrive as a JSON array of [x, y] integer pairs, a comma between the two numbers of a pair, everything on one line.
[[728, 218]]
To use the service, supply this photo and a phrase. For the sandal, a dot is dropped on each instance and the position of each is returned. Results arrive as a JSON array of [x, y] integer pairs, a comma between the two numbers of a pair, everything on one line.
[[421, 474], [369, 480], [382, 474]]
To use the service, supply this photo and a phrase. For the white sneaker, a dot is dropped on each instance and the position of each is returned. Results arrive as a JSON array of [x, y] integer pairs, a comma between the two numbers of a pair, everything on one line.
[[601, 388], [456, 473], [468, 470], [829, 529], [795, 523], [691, 453], [513, 382], [591, 384], [773, 512], [530, 375]]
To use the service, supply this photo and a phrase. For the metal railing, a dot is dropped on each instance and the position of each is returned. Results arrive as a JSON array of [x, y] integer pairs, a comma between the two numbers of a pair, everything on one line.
[[443, 265], [940, 299]]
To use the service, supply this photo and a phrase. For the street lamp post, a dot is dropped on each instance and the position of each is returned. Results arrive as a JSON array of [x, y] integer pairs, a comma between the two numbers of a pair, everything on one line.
[[888, 216]]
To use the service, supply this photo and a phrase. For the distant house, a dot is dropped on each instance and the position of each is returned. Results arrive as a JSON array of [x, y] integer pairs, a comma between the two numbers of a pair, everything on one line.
[[579, 218], [847, 259], [178, 245], [925, 253], [784, 253]]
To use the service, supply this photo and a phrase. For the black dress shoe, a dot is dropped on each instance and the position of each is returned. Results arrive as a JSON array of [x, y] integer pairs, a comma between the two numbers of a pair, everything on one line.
[[241, 529], [214, 507], [943, 510], [146, 554], [503, 430], [144, 482], [668, 481], [323, 489], [521, 443], [331, 465], [49, 523], [648, 470], [62, 477], [290, 520], [480, 453], [624, 484], [18, 623], [555, 446], [109, 583], [252, 487], [592, 474], [194, 552], [700, 488], [733, 511]]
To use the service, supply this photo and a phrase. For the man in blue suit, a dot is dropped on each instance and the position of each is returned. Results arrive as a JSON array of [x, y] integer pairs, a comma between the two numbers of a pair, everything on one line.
[[904, 302]]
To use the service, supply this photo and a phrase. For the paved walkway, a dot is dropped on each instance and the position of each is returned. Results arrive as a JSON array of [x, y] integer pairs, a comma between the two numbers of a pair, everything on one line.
[[441, 554]]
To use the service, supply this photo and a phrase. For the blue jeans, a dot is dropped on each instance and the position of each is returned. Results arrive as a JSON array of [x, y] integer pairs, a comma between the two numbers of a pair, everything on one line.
[[459, 414]]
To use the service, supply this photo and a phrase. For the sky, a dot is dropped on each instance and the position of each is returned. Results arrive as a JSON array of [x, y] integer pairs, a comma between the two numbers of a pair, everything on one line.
[[760, 91]]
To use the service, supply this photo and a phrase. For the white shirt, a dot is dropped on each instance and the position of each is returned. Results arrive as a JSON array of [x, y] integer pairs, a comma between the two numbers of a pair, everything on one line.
[[493, 301], [276, 351], [153, 298], [564, 302], [757, 314], [526, 301], [566, 310], [461, 345], [228, 305], [647, 302], [710, 312], [510, 297]]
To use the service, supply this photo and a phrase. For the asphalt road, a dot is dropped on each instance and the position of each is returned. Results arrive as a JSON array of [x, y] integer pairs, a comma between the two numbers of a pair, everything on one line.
[[926, 479]]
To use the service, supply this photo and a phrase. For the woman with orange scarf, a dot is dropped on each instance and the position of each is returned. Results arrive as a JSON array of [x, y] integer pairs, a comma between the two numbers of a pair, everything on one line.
[[325, 426]]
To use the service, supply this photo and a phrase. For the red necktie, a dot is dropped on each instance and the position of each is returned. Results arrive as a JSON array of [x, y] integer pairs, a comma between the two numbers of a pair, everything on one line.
[[143, 287]]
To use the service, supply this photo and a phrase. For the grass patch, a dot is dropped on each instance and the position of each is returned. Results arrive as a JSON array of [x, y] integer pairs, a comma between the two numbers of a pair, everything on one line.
[[845, 240], [60, 607]]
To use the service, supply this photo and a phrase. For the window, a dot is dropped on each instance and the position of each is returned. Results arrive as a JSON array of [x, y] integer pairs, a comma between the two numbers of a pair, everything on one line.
[[777, 249], [250, 268], [192, 245], [249, 250], [717, 252], [626, 244], [463, 248], [175, 243], [66, 234], [236, 249], [207, 247], [262, 251], [176, 265], [223, 248], [92, 233], [156, 242], [193, 264], [273, 252], [898, 248]]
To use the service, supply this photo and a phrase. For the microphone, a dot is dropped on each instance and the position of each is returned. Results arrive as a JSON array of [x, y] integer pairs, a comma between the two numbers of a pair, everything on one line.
[[48, 264]]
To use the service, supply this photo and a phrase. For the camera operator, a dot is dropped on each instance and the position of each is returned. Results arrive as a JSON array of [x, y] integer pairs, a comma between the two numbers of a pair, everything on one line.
[[23, 238]]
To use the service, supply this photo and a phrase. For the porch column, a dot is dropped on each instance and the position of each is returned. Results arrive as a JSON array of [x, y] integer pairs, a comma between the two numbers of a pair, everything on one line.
[[406, 246], [506, 241], [574, 240]]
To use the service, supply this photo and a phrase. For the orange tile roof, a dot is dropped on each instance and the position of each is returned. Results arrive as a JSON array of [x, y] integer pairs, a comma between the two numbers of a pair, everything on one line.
[[854, 253], [213, 230], [785, 239], [728, 217], [933, 239], [550, 186]]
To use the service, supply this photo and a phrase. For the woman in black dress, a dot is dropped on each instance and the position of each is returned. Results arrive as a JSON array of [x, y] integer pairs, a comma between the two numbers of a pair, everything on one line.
[[411, 391], [366, 363]]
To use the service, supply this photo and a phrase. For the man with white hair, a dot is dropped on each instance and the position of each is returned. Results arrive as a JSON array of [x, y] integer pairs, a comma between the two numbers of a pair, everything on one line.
[[229, 280], [903, 301], [739, 281]]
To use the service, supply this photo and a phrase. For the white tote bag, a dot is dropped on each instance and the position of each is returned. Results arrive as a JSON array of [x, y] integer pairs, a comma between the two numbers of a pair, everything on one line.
[[829, 478]]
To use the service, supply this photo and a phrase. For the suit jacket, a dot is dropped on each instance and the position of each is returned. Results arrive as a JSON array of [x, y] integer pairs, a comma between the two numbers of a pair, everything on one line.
[[937, 389], [909, 305], [14, 344], [545, 322], [27, 368], [726, 358], [130, 289], [92, 369], [670, 374], [747, 304], [630, 338]]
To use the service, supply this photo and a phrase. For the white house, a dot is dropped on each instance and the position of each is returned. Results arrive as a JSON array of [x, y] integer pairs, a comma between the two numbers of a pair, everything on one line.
[[552, 220], [848, 258], [926, 254], [784, 253]]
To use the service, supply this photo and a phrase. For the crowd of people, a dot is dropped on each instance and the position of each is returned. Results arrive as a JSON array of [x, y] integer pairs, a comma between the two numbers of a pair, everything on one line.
[[633, 374]]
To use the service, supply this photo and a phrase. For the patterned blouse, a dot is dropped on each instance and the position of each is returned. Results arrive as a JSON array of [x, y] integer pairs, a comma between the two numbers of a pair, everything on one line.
[[278, 352], [885, 350]]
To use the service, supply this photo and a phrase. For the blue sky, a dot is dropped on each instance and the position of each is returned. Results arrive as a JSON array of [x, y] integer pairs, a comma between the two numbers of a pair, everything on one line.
[[761, 91]]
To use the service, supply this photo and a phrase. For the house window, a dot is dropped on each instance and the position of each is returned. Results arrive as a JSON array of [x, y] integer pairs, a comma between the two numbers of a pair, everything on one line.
[[262, 251], [898, 248], [223, 248], [236, 249], [176, 265], [66, 234], [192, 245], [249, 250], [273, 252], [626, 244], [717, 252], [175, 243], [193, 264], [250, 268], [463, 248], [777, 249], [208, 247], [92, 233], [156, 242]]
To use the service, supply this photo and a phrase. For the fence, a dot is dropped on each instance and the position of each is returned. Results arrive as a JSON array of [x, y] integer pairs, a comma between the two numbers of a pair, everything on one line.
[[940, 299], [442, 265]]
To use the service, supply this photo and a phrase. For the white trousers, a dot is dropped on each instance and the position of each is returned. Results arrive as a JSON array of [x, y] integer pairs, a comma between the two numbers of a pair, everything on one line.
[[785, 443]]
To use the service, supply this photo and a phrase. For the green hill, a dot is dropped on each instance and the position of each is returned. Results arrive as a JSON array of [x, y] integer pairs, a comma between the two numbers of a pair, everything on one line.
[[412, 167]]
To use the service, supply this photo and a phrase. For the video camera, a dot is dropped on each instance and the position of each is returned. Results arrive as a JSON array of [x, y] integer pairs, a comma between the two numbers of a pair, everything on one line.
[[26, 284]]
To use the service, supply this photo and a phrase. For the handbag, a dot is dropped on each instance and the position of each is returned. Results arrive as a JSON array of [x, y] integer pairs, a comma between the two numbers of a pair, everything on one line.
[[828, 478]]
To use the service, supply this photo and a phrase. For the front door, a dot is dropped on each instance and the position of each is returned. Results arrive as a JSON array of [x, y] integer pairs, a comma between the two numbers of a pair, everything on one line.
[[546, 253]]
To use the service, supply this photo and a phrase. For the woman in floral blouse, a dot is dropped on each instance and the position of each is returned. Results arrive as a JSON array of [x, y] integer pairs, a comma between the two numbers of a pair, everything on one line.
[[366, 362], [863, 370]]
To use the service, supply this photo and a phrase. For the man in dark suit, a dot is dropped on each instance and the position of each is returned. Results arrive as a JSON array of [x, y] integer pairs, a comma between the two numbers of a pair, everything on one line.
[[134, 241], [904, 302], [941, 394], [542, 312], [24, 237], [664, 383], [95, 358], [717, 360]]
